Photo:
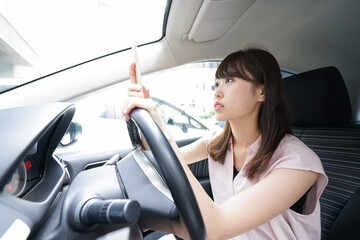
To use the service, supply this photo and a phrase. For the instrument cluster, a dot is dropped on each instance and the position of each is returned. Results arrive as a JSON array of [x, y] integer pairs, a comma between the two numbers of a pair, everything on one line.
[[26, 175]]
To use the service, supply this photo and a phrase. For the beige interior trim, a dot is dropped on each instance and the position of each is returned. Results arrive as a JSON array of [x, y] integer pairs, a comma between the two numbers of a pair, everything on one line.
[[216, 17]]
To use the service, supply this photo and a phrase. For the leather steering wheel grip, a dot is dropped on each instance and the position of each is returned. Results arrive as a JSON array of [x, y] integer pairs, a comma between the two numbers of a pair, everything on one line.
[[134, 134]]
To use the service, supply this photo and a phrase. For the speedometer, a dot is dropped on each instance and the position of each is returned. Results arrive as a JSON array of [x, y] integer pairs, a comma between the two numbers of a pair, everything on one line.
[[17, 182]]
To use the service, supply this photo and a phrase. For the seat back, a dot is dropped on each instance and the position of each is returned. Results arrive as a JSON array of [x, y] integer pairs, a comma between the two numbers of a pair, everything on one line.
[[321, 111]]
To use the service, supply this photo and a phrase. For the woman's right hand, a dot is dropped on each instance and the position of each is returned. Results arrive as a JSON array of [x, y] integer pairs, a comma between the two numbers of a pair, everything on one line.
[[139, 96], [135, 89]]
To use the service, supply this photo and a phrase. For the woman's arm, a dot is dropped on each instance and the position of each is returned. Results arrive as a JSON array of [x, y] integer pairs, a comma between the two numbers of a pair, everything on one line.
[[254, 206], [194, 152]]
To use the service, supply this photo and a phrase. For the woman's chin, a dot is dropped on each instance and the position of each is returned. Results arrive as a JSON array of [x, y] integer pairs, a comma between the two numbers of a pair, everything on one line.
[[219, 118]]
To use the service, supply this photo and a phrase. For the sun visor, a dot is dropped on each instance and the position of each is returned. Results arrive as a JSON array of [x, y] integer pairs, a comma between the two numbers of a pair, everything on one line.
[[216, 17]]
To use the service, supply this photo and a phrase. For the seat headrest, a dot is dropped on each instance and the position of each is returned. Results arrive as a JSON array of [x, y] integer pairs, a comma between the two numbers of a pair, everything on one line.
[[318, 98]]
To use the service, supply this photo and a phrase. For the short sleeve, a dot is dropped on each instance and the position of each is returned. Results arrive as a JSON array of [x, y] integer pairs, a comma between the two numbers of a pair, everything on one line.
[[294, 154]]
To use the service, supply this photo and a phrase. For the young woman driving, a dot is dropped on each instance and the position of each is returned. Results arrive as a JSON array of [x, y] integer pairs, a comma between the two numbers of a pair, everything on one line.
[[266, 183]]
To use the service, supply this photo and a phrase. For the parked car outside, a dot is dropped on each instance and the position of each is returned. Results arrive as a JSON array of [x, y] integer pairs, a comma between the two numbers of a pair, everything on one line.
[[104, 131]]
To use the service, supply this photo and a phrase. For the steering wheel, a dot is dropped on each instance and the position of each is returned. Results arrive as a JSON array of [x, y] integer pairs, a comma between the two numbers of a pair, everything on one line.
[[171, 169]]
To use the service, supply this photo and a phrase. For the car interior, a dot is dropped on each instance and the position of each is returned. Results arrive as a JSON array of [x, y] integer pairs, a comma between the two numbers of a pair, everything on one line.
[[129, 193]]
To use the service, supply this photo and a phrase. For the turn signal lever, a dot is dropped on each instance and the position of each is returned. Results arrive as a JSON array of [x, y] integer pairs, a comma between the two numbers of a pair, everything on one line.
[[117, 211]]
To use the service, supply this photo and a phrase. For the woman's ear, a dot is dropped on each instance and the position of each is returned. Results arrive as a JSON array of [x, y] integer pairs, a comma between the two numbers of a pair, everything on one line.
[[261, 93]]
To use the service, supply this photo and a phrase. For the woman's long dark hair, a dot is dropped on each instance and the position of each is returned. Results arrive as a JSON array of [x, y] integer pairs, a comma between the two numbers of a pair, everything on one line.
[[260, 68]]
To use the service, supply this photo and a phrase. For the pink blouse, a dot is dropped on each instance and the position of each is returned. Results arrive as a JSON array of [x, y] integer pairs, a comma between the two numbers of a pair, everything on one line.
[[291, 154]]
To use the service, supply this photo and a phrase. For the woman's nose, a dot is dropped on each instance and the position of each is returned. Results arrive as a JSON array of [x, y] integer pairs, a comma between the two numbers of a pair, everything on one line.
[[218, 92]]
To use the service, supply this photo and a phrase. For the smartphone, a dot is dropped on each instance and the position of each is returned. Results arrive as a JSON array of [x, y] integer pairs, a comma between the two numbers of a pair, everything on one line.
[[136, 60]]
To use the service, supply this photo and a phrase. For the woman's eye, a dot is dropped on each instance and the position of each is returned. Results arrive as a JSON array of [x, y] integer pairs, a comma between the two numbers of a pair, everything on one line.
[[216, 85], [227, 80]]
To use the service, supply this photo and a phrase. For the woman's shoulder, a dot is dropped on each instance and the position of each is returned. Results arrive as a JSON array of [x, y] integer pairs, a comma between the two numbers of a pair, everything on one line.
[[293, 145], [293, 153]]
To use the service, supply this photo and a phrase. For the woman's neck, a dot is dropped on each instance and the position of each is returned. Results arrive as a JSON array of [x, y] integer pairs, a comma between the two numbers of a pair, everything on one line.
[[244, 134]]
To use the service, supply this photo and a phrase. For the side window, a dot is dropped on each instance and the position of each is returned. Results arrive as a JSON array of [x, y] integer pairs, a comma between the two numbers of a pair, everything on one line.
[[285, 74], [183, 96]]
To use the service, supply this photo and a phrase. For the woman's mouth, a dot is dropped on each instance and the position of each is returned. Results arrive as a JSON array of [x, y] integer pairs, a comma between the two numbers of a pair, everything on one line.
[[218, 106]]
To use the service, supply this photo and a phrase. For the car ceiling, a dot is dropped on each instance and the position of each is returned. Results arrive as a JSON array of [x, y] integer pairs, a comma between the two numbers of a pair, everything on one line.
[[303, 35]]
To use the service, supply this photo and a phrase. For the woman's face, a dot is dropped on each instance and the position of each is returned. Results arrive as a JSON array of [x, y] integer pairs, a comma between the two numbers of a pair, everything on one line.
[[237, 99]]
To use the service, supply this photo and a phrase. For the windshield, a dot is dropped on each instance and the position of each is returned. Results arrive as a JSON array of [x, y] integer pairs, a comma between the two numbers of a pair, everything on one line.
[[38, 37]]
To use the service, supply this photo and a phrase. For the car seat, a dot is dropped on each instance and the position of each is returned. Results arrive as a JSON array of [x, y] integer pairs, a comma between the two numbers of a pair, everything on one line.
[[321, 111]]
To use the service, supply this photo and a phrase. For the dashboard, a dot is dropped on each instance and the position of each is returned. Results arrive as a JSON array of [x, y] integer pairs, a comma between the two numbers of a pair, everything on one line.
[[31, 177]]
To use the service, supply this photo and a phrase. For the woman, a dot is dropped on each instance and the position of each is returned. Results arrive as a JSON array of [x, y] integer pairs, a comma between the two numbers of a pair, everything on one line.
[[266, 183]]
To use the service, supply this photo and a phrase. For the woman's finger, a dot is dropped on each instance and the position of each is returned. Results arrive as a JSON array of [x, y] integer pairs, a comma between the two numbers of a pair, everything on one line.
[[146, 92], [136, 94], [132, 73], [128, 105], [132, 102], [135, 87]]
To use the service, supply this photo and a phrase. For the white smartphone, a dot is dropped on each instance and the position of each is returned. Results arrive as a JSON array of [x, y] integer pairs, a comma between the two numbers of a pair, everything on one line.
[[136, 59]]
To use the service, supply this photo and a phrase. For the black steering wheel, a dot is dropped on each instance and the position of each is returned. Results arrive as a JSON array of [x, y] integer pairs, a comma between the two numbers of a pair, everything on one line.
[[171, 169]]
